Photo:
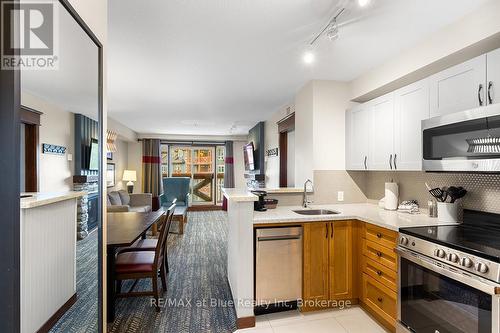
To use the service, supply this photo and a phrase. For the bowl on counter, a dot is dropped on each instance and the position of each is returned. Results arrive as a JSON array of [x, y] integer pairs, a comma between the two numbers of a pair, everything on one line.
[[270, 203]]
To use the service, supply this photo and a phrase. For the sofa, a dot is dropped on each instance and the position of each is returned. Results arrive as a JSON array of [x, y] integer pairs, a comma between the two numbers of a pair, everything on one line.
[[122, 201]]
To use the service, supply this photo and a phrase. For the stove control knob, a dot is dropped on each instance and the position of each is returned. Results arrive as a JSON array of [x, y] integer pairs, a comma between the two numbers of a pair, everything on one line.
[[439, 253], [466, 262], [404, 241], [481, 268], [452, 257]]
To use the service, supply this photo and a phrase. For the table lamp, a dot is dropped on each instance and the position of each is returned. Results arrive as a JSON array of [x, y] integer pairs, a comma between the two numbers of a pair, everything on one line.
[[129, 176]]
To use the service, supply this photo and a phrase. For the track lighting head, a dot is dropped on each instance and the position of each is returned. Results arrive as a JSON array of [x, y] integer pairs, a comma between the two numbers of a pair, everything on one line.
[[332, 32]]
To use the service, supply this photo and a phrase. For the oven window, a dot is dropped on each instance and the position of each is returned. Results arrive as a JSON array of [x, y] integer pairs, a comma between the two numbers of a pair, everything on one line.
[[473, 139], [432, 303]]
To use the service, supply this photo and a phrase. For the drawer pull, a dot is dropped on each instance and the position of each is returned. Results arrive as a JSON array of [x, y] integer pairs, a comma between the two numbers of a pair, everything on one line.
[[379, 235], [379, 273], [379, 254], [380, 299]]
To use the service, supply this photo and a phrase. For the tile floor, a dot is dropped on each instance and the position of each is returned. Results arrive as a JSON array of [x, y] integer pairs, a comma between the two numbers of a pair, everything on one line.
[[352, 320]]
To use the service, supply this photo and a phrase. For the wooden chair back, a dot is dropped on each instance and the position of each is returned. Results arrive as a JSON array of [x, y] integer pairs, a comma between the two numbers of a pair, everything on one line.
[[162, 237]]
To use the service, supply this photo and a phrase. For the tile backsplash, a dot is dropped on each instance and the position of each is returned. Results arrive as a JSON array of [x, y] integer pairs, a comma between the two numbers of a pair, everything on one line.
[[483, 189]]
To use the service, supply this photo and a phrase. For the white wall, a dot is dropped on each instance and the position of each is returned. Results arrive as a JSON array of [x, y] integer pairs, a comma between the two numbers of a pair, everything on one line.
[[239, 164], [135, 163], [304, 160], [120, 158], [320, 128], [271, 141], [57, 127], [473, 28], [331, 100]]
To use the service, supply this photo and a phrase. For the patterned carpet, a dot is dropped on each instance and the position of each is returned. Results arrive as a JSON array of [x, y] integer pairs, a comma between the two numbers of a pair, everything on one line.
[[82, 317], [197, 278]]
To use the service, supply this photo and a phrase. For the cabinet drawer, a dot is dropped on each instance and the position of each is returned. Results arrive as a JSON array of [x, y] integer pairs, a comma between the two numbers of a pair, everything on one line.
[[381, 254], [379, 235], [380, 273], [379, 299]]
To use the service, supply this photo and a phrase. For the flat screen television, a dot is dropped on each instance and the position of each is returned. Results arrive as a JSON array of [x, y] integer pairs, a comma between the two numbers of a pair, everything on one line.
[[93, 155], [248, 154]]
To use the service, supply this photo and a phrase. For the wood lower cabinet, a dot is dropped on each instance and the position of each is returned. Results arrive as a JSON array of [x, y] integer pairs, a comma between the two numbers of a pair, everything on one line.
[[379, 272], [315, 264], [328, 263], [340, 260]]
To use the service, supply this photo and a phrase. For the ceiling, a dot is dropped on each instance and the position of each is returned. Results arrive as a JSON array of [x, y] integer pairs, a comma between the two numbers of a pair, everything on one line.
[[216, 67]]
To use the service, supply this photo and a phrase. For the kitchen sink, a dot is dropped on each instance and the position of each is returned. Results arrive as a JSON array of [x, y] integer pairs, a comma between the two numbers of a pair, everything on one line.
[[316, 212]]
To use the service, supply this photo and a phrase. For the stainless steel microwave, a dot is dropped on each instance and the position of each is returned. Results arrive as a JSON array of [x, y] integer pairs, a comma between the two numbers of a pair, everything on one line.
[[467, 141]]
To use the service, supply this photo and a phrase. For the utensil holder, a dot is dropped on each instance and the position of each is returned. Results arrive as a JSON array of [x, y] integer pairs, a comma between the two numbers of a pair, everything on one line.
[[448, 212]]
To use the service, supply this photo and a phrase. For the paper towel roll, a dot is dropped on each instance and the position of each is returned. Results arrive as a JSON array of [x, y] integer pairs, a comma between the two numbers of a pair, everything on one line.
[[391, 196]]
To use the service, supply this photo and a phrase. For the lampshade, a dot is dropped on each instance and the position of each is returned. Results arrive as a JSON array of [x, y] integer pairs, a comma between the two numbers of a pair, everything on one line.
[[129, 176]]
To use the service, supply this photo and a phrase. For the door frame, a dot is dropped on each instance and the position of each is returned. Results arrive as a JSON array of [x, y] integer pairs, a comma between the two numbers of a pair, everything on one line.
[[285, 125], [10, 100]]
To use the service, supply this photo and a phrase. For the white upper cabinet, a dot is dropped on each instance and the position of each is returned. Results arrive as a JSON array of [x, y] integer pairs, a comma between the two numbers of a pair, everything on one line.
[[459, 88], [493, 77], [411, 107], [358, 147], [382, 138]]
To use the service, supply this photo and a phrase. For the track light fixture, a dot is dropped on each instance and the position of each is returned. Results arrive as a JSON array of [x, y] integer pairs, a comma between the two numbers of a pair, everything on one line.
[[331, 30]]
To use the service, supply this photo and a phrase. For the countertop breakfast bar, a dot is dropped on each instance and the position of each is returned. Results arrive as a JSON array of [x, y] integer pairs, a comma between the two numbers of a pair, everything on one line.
[[241, 222], [48, 254]]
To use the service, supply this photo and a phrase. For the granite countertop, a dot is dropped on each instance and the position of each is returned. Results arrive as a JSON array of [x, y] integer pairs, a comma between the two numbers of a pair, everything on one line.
[[47, 198], [365, 212]]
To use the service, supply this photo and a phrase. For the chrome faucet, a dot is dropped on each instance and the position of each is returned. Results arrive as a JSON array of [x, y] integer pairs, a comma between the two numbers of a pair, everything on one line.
[[305, 199]]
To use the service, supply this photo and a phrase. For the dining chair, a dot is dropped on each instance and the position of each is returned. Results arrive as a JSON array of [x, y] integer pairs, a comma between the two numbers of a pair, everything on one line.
[[149, 244], [133, 264]]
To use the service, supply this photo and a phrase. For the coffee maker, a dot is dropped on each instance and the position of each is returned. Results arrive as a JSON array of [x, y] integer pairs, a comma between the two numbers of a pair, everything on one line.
[[260, 204]]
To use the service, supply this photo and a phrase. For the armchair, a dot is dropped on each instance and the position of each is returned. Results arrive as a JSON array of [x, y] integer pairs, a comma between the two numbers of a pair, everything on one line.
[[177, 188]]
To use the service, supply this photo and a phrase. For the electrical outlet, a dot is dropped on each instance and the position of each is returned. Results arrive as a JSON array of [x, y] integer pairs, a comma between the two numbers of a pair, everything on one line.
[[340, 196]]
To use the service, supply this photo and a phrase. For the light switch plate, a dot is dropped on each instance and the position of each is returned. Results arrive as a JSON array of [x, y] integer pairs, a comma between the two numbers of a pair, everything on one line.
[[340, 196], [70, 157]]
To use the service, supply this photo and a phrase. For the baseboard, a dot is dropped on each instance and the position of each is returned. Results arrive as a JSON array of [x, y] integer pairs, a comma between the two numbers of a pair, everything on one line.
[[56, 316], [199, 208], [245, 322]]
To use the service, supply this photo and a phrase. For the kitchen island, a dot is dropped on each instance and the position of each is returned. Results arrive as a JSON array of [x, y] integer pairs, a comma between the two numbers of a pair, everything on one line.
[[242, 220], [48, 257]]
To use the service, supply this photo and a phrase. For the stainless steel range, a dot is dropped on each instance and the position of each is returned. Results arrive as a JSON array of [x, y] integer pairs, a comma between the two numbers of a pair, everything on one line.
[[450, 277]]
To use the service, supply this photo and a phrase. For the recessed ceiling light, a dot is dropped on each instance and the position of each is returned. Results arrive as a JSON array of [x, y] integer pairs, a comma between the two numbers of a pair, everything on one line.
[[309, 57], [364, 3]]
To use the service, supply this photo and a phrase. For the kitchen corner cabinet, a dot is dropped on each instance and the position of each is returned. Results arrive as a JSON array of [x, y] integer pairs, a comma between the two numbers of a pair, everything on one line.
[[459, 88], [359, 126], [328, 262], [493, 77], [382, 139], [411, 107]]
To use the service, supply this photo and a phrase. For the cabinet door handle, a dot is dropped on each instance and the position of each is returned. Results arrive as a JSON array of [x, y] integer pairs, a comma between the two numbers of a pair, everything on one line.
[[331, 235], [395, 157], [366, 167], [490, 98], [390, 161], [326, 224], [479, 95]]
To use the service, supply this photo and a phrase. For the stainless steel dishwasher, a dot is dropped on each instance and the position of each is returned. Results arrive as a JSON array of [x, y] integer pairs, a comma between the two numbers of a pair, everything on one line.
[[278, 265]]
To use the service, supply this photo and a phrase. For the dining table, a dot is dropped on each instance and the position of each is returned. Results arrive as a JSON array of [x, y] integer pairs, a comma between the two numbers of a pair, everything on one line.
[[123, 229]]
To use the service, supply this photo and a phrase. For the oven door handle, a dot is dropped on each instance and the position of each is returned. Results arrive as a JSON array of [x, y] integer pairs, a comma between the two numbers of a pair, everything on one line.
[[476, 282]]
